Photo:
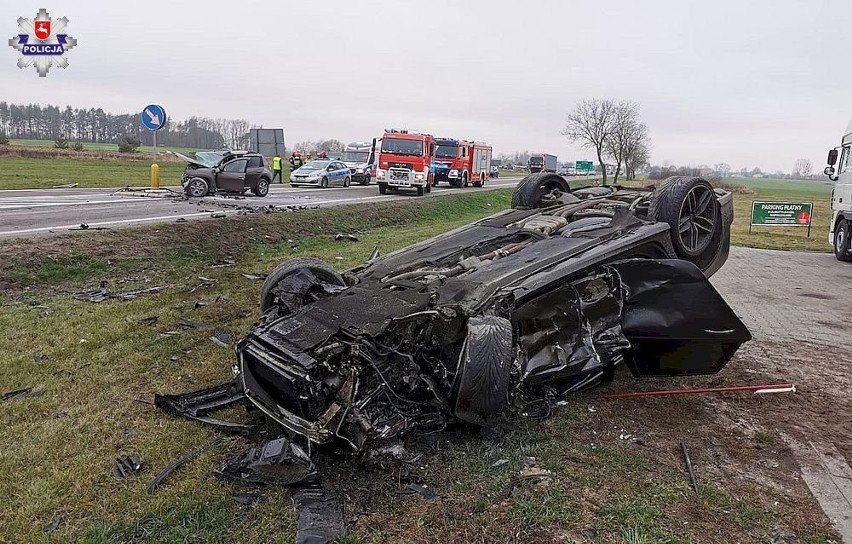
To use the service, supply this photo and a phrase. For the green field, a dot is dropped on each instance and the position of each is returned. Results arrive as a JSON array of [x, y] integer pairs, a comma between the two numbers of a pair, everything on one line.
[[20, 173], [781, 190], [90, 146]]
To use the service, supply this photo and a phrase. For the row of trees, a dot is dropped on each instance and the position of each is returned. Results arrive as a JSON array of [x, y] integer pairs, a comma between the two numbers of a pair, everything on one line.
[[33, 121], [329, 146], [614, 130]]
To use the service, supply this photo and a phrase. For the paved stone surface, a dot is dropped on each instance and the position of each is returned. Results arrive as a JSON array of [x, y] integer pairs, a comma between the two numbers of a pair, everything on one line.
[[789, 296]]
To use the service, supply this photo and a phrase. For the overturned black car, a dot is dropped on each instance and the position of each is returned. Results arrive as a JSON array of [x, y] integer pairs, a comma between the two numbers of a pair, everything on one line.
[[508, 314]]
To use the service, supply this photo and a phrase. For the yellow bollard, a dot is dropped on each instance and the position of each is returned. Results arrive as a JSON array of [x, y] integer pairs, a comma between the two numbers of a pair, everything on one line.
[[155, 176]]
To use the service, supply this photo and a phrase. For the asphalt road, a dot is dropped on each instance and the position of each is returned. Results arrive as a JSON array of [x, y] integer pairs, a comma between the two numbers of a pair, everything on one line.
[[38, 212]]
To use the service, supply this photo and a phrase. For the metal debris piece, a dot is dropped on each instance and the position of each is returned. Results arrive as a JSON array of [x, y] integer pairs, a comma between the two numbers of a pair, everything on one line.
[[85, 226], [689, 468], [66, 186], [423, 491], [187, 324], [341, 236], [529, 475], [198, 405], [158, 480], [101, 294], [181, 220], [776, 388], [26, 393], [247, 499], [253, 276], [277, 462], [319, 515], [126, 466], [374, 254], [218, 215], [222, 338], [499, 463], [227, 261], [54, 524], [207, 280], [39, 358]]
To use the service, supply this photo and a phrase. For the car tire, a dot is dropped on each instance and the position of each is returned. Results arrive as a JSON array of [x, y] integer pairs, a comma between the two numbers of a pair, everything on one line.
[[196, 187], [482, 383], [421, 190], [324, 183], [366, 180], [841, 240], [690, 207], [531, 191], [480, 182], [346, 181], [294, 299], [383, 188], [262, 187]]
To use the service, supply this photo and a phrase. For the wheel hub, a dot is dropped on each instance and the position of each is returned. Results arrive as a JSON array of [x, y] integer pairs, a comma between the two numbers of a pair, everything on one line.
[[697, 219]]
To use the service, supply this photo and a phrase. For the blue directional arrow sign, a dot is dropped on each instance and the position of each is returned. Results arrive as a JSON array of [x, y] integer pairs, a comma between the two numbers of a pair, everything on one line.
[[153, 117]]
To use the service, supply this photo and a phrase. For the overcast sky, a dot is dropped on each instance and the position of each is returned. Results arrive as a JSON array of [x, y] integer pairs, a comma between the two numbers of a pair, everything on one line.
[[751, 83]]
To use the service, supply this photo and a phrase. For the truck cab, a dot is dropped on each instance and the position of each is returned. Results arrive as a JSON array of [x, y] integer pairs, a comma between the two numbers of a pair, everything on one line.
[[461, 162], [405, 160], [839, 170]]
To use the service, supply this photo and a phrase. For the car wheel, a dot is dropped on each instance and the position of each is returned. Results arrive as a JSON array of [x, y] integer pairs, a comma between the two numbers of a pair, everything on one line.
[[298, 282], [383, 188], [841, 240], [346, 181], [366, 180], [535, 190], [479, 182], [262, 187], [690, 207], [482, 381], [197, 187], [324, 183]]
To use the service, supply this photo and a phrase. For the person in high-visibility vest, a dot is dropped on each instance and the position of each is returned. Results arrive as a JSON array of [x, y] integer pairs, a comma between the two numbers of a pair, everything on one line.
[[276, 169]]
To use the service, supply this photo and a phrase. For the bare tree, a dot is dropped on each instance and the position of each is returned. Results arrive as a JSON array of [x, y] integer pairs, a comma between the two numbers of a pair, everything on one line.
[[722, 169], [591, 123], [637, 150], [802, 168], [625, 126]]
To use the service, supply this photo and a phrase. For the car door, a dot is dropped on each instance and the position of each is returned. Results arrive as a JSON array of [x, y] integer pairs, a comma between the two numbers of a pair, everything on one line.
[[333, 174], [341, 171], [253, 172], [232, 176]]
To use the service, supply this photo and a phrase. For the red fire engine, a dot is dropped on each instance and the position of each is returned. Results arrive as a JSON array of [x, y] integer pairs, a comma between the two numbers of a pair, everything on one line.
[[461, 162], [404, 161]]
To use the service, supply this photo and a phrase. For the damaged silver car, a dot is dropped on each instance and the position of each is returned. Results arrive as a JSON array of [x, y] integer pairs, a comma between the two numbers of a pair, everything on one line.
[[506, 315]]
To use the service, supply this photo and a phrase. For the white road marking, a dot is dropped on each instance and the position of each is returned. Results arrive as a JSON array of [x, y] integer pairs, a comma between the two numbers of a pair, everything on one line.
[[8, 204], [116, 222]]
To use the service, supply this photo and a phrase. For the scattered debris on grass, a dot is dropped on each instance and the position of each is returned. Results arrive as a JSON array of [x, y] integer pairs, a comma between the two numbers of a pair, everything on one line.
[[253, 277], [248, 499], [277, 462], [39, 358], [222, 338], [689, 469], [350, 237], [187, 324], [319, 515], [198, 406], [227, 261], [158, 480], [126, 466], [218, 215], [66, 186], [85, 226], [101, 294], [25, 393], [758, 389], [425, 492], [54, 524], [151, 320], [499, 463]]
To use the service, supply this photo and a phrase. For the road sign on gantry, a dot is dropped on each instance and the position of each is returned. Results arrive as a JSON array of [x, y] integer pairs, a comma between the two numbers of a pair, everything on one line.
[[153, 117]]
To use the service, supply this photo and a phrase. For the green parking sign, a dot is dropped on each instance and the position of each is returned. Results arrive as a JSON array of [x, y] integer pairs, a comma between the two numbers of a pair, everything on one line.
[[584, 166], [781, 214]]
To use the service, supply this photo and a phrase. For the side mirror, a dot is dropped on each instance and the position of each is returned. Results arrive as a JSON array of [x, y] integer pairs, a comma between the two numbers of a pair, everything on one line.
[[832, 156], [829, 171], [216, 170]]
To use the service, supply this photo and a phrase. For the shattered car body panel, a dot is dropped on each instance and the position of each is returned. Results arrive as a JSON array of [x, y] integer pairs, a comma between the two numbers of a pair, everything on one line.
[[522, 307]]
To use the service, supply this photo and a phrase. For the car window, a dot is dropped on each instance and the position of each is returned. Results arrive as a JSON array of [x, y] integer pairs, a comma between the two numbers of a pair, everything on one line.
[[340, 165], [332, 166], [844, 161], [237, 166], [255, 162]]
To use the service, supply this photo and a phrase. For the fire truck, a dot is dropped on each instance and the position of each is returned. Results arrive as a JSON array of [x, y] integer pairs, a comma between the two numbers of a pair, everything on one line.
[[461, 162], [404, 161]]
